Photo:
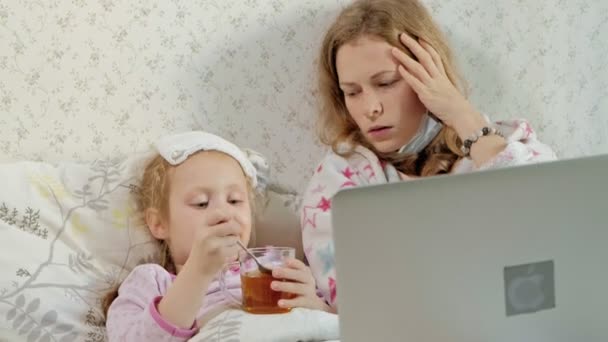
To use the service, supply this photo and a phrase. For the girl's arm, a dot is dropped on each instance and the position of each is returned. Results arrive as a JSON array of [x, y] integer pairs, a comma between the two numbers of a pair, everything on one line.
[[184, 298], [134, 315]]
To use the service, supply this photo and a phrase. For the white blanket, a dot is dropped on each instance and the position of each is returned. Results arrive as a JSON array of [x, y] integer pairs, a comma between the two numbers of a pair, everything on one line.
[[298, 325]]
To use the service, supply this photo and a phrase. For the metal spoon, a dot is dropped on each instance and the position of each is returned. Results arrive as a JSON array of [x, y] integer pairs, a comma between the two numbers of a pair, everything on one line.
[[260, 266]]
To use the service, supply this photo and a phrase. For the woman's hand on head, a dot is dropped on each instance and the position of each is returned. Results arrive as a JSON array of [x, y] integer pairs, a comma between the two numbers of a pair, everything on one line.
[[428, 78], [299, 281], [213, 247]]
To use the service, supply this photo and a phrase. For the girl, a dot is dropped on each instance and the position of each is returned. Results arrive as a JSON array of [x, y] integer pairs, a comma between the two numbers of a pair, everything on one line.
[[393, 109], [196, 198]]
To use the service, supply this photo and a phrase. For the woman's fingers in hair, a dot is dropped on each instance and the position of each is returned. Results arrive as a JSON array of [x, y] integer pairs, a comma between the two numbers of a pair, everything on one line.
[[434, 55], [421, 54], [414, 68]]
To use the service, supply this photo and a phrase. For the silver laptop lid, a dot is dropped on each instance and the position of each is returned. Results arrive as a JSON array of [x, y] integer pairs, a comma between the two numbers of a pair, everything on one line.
[[517, 254]]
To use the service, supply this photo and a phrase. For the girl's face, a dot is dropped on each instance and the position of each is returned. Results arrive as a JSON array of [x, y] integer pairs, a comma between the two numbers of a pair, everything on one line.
[[384, 107], [207, 189]]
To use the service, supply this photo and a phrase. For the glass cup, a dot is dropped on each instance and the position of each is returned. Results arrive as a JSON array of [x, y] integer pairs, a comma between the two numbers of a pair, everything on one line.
[[258, 297]]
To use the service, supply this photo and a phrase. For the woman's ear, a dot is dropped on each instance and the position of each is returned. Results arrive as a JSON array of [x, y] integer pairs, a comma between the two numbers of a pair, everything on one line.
[[156, 224]]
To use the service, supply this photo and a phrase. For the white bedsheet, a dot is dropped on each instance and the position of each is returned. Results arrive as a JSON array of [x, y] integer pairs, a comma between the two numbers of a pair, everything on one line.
[[297, 325]]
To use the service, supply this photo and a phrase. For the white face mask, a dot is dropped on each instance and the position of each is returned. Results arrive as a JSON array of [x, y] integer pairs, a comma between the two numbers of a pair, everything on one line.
[[428, 130]]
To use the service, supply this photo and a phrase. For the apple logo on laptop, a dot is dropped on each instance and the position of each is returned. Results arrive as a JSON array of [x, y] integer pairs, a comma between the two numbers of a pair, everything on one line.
[[529, 288], [525, 292]]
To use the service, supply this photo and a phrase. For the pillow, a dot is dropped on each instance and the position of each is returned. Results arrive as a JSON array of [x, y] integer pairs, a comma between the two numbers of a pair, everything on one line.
[[69, 235]]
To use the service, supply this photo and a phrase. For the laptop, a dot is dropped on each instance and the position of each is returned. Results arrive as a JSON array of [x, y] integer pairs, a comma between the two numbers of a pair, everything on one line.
[[518, 254]]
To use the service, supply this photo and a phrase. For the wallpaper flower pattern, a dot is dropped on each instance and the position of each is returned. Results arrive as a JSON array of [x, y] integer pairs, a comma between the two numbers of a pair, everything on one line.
[[95, 80], [81, 80]]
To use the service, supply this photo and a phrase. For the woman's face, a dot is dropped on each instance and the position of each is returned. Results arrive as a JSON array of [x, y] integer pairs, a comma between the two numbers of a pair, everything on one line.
[[385, 108]]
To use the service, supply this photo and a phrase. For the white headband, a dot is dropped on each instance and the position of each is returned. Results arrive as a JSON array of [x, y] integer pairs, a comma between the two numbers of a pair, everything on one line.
[[177, 147]]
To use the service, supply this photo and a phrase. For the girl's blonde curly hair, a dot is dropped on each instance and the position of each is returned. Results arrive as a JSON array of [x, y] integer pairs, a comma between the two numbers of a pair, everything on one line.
[[153, 192]]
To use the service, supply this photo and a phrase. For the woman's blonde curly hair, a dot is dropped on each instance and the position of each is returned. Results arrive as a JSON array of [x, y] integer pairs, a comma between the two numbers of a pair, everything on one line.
[[385, 19]]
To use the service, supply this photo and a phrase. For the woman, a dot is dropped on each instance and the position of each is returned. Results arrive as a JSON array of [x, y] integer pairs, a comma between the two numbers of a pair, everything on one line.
[[393, 109]]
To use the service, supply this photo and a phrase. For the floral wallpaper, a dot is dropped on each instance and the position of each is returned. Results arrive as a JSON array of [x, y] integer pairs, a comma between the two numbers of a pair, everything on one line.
[[81, 80]]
